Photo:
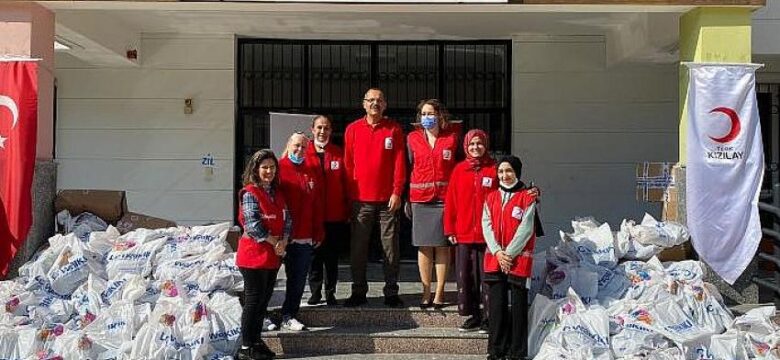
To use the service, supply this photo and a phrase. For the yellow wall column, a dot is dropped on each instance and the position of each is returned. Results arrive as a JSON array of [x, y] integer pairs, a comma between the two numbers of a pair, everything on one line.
[[711, 34]]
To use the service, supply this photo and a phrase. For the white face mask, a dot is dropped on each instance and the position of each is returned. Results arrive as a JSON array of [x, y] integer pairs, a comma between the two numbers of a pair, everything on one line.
[[320, 145], [510, 185]]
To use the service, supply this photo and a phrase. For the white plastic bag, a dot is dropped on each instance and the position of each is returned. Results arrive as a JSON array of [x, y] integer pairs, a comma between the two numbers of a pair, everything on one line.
[[596, 246], [544, 318], [131, 257], [654, 232], [728, 346], [224, 316]]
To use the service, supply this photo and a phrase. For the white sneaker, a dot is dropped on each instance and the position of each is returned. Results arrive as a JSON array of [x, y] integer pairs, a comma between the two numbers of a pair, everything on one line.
[[293, 324], [268, 325]]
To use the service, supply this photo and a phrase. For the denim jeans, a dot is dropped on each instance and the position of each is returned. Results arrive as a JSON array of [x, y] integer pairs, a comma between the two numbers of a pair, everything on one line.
[[296, 265]]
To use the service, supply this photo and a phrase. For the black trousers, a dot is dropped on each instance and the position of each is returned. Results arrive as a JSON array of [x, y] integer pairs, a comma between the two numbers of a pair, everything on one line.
[[508, 329], [327, 257], [472, 291], [258, 288]]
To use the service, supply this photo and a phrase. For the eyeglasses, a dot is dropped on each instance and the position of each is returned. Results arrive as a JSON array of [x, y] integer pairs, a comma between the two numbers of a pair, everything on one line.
[[377, 100]]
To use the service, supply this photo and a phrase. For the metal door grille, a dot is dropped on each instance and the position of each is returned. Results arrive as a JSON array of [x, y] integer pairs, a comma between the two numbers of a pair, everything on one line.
[[330, 77]]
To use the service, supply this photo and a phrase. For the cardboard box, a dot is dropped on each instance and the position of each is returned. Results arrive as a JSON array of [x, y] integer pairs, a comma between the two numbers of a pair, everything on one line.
[[131, 221], [653, 179], [108, 205], [232, 237], [670, 210], [677, 253]]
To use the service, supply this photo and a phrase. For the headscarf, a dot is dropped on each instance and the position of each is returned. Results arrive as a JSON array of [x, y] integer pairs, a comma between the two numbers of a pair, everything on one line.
[[517, 166], [477, 162]]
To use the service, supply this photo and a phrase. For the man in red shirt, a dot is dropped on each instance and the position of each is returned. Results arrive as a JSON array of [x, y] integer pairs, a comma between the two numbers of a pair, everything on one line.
[[376, 171]]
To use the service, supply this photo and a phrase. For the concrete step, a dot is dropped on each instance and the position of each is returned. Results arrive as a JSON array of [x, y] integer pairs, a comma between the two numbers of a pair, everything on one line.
[[386, 357], [373, 339], [376, 313]]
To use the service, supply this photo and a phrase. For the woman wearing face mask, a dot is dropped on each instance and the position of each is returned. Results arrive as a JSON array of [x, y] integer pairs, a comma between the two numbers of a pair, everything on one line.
[[508, 226], [471, 180], [328, 158], [432, 154], [301, 185], [266, 229]]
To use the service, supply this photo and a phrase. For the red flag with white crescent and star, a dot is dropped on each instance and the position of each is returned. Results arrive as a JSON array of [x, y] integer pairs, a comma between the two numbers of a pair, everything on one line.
[[18, 132]]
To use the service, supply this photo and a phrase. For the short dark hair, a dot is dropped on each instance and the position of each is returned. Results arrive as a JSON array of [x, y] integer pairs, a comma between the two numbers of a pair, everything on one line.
[[250, 171]]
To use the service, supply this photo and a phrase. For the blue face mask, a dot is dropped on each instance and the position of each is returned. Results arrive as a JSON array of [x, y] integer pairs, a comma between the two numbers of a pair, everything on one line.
[[297, 160], [428, 121]]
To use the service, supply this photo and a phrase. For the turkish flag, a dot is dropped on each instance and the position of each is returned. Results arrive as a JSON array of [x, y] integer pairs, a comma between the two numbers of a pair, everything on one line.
[[18, 131]]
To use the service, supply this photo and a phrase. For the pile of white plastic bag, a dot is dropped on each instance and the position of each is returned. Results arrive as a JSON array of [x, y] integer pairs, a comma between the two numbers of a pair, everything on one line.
[[148, 294], [600, 294]]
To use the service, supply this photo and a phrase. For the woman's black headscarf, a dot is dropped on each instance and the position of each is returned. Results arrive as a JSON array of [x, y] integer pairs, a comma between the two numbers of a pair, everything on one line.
[[517, 166]]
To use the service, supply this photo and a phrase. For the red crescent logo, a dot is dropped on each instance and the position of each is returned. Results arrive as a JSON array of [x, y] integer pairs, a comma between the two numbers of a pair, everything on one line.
[[736, 125]]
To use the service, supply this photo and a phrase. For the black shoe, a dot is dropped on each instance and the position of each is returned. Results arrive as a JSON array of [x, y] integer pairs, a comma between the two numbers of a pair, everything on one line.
[[425, 305], [483, 327], [330, 300], [253, 354], [471, 324], [394, 301], [355, 301], [439, 306], [244, 354], [314, 299], [261, 351]]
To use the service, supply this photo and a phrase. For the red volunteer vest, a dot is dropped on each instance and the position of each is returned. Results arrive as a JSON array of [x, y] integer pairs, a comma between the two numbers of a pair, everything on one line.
[[335, 178], [431, 167], [506, 219], [252, 254], [302, 189], [465, 199]]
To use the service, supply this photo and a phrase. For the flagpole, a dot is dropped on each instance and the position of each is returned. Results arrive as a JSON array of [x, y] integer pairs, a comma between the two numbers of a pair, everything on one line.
[[691, 64]]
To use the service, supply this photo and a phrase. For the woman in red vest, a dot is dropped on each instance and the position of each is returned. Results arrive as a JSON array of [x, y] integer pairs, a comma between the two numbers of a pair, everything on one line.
[[266, 228], [471, 180], [301, 184], [508, 226], [432, 154], [328, 158]]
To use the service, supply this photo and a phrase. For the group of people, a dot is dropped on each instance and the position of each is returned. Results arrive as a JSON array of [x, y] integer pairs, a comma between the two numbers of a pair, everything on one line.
[[295, 209]]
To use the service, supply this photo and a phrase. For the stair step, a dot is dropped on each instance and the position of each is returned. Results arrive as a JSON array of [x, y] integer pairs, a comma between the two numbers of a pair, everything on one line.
[[372, 339], [323, 316], [415, 356]]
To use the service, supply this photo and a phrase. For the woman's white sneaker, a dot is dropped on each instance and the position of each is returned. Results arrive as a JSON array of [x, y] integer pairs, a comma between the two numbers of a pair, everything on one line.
[[268, 325], [293, 324]]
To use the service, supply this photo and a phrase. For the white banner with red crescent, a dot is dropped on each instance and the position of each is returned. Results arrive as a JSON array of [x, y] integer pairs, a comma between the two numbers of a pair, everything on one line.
[[725, 166]]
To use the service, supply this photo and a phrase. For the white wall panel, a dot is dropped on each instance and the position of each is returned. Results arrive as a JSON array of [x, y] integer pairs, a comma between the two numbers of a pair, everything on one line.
[[125, 129], [143, 144], [188, 53], [186, 207], [144, 83], [75, 114], [581, 127], [144, 175]]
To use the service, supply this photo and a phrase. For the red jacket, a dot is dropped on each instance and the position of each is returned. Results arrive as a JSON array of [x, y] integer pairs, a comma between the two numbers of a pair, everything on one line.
[[374, 159], [505, 220], [465, 199], [302, 186], [335, 180], [254, 255], [431, 166]]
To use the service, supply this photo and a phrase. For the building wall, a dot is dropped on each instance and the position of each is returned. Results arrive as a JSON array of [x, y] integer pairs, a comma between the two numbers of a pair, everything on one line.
[[579, 125], [125, 128], [582, 126]]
